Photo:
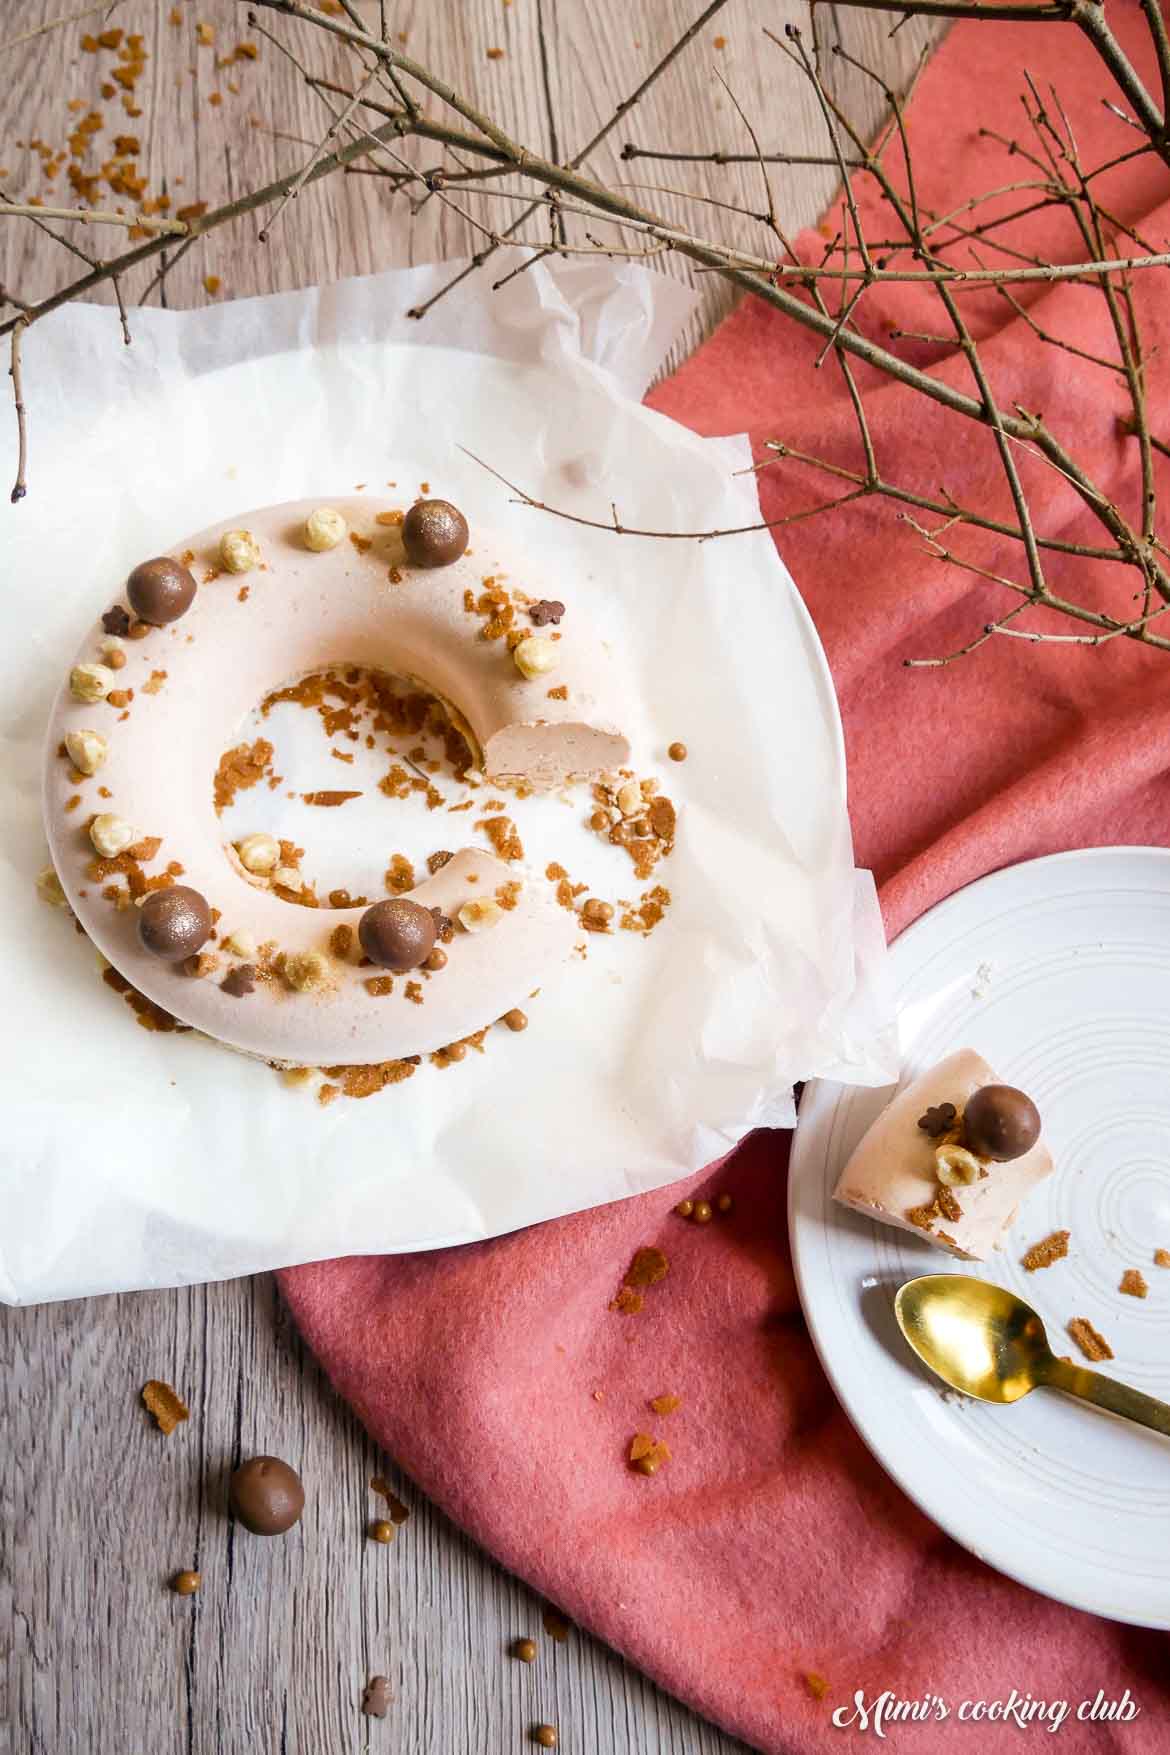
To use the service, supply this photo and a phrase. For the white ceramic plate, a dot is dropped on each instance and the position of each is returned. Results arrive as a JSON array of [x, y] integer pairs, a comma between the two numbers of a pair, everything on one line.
[[1058, 972]]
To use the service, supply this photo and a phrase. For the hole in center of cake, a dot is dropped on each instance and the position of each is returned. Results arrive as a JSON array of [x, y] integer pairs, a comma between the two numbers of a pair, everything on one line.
[[344, 786]]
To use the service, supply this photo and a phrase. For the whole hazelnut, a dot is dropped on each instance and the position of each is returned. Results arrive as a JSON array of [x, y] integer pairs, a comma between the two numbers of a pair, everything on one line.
[[239, 551], [324, 529]]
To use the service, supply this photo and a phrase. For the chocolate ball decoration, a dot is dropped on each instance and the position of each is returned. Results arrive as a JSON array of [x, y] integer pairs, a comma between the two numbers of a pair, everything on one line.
[[174, 923], [434, 533], [397, 934], [266, 1495], [160, 591], [1000, 1122]]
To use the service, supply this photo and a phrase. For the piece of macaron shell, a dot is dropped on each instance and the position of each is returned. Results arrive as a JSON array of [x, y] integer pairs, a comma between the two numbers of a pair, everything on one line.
[[892, 1170]]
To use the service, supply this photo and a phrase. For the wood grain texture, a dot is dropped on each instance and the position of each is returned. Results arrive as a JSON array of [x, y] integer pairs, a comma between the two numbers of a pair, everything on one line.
[[98, 1510]]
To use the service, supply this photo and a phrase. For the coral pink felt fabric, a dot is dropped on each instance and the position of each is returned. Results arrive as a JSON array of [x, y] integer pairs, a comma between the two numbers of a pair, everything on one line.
[[772, 1544]]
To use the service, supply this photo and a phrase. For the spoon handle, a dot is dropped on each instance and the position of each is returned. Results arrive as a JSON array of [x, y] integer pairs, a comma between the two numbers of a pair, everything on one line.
[[1107, 1393]]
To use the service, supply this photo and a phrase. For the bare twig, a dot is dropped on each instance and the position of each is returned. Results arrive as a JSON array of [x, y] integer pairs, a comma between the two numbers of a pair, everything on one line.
[[40, 30], [93, 216], [20, 486]]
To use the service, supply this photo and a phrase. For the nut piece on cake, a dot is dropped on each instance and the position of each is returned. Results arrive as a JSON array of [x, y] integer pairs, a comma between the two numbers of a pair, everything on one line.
[[952, 1157]]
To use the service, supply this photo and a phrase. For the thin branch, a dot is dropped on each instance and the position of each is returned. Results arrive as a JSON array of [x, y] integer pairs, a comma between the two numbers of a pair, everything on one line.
[[615, 527], [92, 216], [821, 160], [315, 158], [945, 508], [40, 30], [20, 486]]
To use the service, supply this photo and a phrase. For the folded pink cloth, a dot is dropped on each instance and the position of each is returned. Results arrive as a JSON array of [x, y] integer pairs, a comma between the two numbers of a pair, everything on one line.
[[772, 1546]]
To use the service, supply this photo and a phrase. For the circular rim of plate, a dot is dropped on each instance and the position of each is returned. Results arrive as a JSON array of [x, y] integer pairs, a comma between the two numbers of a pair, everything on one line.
[[819, 1104]]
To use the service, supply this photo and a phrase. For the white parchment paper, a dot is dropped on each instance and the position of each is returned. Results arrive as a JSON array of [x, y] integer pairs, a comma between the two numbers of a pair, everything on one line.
[[131, 1159]]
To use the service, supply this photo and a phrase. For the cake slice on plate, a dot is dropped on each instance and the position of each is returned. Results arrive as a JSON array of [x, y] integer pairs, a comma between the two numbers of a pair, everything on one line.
[[953, 1157]]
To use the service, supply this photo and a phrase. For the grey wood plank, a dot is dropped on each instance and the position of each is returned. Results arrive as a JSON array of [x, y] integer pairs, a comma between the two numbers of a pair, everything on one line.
[[98, 1509]]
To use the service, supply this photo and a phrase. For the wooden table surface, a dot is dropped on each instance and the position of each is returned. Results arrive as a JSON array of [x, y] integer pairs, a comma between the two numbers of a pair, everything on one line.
[[98, 1510]]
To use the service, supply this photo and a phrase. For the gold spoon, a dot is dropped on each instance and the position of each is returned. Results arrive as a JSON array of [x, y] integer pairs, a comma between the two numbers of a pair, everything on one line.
[[988, 1343]]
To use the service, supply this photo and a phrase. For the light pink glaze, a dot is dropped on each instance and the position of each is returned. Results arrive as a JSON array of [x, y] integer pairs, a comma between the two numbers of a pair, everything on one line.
[[892, 1169], [304, 612]]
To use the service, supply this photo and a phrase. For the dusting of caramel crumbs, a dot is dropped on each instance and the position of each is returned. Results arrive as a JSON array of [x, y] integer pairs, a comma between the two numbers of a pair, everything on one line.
[[146, 1013], [366, 1081], [649, 1265], [1052, 1248], [399, 876], [816, 1684], [414, 992], [561, 694], [664, 1404], [328, 799], [501, 832], [647, 1454], [165, 1405], [948, 1206], [241, 768], [1094, 1346], [341, 940], [157, 679], [649, 911], [379, 985], [1133, 1282]]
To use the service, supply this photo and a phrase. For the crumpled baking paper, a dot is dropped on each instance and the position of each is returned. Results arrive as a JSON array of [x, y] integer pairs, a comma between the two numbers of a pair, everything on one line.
[[132, 1159]]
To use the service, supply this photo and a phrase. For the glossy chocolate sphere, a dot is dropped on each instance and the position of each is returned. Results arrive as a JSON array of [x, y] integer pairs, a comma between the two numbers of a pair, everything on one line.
[[1000, 1122], [397, 934], [160, 591], [174, 923], [434, 533]]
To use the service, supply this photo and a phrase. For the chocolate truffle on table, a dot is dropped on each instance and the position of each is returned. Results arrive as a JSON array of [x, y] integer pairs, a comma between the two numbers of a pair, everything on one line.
[[1000, 1122], [160, 591], [397, 934], [266, 1495], [434, 533], [174, 923]]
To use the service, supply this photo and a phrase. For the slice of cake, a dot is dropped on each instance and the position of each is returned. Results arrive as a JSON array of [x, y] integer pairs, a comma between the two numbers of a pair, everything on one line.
[[953, 1156]]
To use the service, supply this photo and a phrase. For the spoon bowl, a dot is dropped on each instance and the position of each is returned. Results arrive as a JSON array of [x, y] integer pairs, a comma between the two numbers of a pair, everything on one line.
[[983, 1340], [977, 1337]]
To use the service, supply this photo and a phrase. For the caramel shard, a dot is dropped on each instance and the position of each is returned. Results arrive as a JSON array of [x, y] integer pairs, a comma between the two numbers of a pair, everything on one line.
[[948, 1206], [329, 798], [1133, 1281], [1052, 1248], [647, 1268], [398, 1511], [1094, 1346], [1162, 1258], [628, 1302], [165, 1404], [665, 1404], [556, 1626], [647, 1454]]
